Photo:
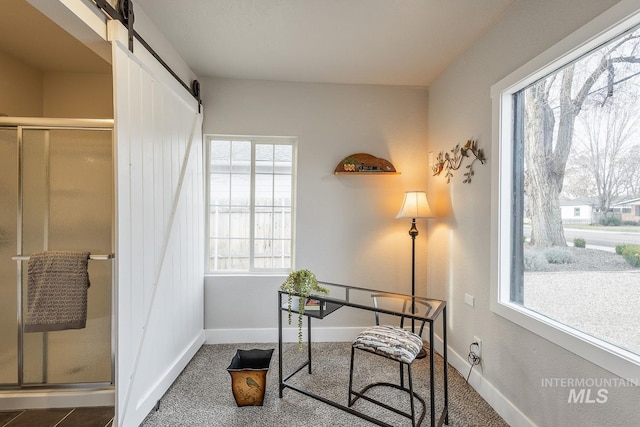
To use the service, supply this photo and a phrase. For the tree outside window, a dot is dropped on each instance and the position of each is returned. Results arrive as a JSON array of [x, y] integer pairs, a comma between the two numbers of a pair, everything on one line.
[[577, 136]]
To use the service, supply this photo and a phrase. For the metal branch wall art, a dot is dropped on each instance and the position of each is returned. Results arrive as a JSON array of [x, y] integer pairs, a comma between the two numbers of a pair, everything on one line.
[[452, 160]]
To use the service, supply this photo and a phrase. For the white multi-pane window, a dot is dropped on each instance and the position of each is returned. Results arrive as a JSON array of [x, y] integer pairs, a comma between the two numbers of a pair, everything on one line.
[[567, 128], [251, 203]]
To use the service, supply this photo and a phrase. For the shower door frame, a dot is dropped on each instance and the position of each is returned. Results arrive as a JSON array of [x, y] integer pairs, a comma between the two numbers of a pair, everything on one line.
[[20, 124]]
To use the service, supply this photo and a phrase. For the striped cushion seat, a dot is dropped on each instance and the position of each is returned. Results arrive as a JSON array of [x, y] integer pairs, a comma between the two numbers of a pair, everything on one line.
[[390, 341]]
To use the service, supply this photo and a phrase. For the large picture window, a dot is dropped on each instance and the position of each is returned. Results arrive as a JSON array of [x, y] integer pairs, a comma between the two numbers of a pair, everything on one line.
[[566, 260], [251, 203]]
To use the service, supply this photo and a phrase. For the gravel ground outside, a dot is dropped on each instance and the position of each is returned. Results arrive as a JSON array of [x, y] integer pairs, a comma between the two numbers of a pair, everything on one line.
[[598, 294]]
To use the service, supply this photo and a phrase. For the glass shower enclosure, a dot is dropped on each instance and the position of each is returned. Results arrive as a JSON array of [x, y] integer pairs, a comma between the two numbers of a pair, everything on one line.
[[56, 192]]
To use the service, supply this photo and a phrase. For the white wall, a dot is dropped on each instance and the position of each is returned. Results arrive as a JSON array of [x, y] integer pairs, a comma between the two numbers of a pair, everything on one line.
[[346, 226], [514, 360], [30, 92], [78, 95], [21, 88]]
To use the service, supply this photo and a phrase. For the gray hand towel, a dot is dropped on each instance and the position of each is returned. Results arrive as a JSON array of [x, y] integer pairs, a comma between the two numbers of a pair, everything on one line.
[[57, 291]]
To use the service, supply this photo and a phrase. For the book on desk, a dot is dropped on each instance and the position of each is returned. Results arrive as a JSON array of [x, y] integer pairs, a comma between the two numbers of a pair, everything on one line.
[[314, 304], [313, 307], [309, 304]]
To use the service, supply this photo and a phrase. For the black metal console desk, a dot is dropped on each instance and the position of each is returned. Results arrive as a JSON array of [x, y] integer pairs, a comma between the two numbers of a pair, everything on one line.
[[361, 298]]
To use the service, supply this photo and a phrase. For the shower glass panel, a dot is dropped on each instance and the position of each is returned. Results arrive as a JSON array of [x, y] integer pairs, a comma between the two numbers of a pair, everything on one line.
[[67, 203], [8, 236]]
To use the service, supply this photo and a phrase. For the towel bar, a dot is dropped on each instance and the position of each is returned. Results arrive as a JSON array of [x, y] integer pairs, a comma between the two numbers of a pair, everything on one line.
[[96, 257]]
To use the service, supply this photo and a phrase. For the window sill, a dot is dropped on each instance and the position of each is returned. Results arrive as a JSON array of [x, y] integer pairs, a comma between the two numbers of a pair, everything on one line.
[[616, 360], [247, 274]]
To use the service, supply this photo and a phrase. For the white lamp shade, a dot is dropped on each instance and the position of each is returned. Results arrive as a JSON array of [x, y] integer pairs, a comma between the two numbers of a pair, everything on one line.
[[415, 205]]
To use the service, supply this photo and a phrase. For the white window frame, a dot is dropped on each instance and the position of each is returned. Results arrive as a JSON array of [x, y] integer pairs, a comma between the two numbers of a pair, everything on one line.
[[611, 23], [293, 141]]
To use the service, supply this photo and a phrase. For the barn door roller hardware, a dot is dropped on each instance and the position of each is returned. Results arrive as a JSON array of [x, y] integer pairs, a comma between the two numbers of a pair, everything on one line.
[[124, 14]]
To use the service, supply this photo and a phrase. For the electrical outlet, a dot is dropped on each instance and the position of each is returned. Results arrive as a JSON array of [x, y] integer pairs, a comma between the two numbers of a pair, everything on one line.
[[469, 300], [477, 350]]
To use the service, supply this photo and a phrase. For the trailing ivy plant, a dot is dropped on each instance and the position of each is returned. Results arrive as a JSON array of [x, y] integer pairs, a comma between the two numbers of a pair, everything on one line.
[[301, 283]]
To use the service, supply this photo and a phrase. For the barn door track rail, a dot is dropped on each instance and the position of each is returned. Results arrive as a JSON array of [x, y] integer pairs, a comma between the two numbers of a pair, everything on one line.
[[124, 14]]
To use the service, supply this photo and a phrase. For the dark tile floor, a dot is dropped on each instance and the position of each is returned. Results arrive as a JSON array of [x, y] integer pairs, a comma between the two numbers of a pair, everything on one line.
[[100, 416]]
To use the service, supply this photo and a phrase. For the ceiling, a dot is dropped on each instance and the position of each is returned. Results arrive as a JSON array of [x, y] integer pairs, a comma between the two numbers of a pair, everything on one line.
[[393, 42], [29, 36]]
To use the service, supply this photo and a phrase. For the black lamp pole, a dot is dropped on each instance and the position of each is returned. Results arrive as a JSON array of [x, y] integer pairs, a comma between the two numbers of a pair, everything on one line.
[[413, 232], [414, 205]]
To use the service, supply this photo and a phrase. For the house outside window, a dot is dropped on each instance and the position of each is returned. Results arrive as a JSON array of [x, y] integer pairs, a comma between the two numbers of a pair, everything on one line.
[[251, 199], [566, 126]]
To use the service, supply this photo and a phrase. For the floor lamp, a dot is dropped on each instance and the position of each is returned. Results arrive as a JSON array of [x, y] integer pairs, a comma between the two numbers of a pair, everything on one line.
[[415, 205]]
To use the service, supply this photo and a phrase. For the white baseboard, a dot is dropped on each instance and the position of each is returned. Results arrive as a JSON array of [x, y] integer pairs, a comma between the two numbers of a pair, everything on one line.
[[504, 407]]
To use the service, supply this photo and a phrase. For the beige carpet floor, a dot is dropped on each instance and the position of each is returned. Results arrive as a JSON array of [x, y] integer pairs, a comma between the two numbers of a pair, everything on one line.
[[201, 396]]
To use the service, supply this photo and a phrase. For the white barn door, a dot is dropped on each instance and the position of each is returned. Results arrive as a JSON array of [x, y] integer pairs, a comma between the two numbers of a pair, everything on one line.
[[159, 232]]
